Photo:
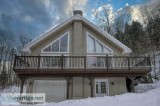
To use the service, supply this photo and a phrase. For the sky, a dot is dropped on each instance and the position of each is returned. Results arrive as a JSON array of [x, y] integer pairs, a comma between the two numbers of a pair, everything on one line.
[[35, 17]]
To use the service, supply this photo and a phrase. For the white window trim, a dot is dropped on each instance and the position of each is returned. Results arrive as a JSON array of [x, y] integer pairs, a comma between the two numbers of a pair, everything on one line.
[[98, 55], [101, 80], [89, 34], [42, 50], [54, 54]]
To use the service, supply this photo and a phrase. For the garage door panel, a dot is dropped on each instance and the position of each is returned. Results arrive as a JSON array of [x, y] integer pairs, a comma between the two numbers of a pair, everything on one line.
[[55, 89]]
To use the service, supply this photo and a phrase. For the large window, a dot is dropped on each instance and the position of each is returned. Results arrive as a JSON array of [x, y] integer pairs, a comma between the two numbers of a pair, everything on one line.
[[95, 46], [59, 45]]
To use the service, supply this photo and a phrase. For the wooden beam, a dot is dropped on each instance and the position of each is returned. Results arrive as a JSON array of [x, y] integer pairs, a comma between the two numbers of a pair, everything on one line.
[[91, 83], [68, 79], [132, 78], [22, 79], [82, 72]]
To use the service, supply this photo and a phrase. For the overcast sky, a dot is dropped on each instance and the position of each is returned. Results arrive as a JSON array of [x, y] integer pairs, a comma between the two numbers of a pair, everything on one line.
[[34, 17]]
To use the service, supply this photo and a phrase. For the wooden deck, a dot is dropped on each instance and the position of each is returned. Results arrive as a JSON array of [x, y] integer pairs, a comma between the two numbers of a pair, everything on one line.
[[98, 66]]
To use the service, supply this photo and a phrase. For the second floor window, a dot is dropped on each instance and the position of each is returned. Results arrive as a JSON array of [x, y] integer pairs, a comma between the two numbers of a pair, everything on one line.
[[59, 45], [95, 46]]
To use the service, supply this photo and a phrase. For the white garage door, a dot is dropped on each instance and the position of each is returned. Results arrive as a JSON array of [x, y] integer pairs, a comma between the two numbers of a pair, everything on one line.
[[55, 89]]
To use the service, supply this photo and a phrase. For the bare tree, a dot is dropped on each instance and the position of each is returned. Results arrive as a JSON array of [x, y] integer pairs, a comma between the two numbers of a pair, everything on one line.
[[152, 21], [104, 16]]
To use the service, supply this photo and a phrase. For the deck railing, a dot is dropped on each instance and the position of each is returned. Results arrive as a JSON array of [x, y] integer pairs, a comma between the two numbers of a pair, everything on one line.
[[81, 62]]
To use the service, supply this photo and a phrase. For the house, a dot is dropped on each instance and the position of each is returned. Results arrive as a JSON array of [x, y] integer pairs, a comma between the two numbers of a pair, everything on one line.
[[78, 60]]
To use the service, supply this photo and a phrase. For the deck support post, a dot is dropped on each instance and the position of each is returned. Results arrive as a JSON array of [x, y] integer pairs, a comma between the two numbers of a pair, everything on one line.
[[132, 78], [68, 79], [91, 83], [22, 80]]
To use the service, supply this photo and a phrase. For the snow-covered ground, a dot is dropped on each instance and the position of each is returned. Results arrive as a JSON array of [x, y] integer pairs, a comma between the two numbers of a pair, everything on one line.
[[12, 89], [141, 88], [148, 98]]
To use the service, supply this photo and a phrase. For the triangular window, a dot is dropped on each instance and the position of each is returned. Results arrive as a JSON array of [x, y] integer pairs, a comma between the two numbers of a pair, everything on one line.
[[55, 46], [59, 45], [47, 49], [95, 46]]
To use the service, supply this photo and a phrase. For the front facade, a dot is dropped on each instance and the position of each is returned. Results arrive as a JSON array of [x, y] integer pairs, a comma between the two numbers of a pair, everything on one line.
[[78, 60]]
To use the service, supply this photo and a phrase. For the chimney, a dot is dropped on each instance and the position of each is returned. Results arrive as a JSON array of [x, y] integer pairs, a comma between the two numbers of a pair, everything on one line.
[[78, 12]]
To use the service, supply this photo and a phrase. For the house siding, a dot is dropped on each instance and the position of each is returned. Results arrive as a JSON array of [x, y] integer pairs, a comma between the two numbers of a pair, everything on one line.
[[78, 42], [117, 85]]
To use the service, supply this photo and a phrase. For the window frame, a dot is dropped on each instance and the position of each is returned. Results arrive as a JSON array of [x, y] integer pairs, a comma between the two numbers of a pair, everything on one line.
[[99, 94], [96, 40], [59, 38]]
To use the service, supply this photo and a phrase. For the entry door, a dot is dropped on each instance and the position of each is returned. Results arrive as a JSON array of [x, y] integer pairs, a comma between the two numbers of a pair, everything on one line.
[[101, 87]]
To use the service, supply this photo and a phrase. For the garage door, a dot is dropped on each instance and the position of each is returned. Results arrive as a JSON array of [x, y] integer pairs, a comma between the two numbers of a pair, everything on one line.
[[55, 89]]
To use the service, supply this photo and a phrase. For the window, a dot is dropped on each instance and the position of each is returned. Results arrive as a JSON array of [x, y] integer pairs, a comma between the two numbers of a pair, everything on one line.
[[59, 45], [64, 43], [90, 44], [55, 46], [103, 87], [96, 87], [95, 46], [99, 47], [93, 61], [47, 49]]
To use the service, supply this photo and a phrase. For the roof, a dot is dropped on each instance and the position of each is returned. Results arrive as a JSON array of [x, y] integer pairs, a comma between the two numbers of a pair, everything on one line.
[[77, 17]]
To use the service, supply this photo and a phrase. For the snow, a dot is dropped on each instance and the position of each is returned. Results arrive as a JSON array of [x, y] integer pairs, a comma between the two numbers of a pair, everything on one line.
[[150, 98], [147, 98], [146, 87], [12, 89]]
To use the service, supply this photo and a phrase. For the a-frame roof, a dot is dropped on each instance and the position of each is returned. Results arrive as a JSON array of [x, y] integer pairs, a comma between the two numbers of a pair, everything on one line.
[[78, 17]]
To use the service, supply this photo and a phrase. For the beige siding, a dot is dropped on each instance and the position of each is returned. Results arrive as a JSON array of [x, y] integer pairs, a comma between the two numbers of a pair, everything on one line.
[[78, 44], [87, 88], [77, 88], [117, 85]]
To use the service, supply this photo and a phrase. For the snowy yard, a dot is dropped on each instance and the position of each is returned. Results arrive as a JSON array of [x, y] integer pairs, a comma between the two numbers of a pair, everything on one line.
[[148, 98]]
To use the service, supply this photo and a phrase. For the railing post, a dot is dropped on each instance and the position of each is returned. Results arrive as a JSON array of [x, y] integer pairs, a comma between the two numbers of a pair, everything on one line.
[[62, 61], [149, 63], [15, 61], [107, 65], [38, 61], [128, 63], [85, 62]]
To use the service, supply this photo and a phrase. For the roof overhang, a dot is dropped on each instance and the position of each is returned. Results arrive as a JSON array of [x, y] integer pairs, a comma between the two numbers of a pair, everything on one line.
[[125, 49]]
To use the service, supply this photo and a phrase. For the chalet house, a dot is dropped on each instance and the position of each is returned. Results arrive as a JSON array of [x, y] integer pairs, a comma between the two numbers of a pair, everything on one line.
[[78, 60]]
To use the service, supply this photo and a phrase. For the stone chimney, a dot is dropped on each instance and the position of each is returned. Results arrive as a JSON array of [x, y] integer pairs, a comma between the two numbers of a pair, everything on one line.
[[77, 12]]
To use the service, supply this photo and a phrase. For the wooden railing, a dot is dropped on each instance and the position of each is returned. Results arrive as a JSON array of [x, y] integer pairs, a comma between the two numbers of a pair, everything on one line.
[[81, 62]]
